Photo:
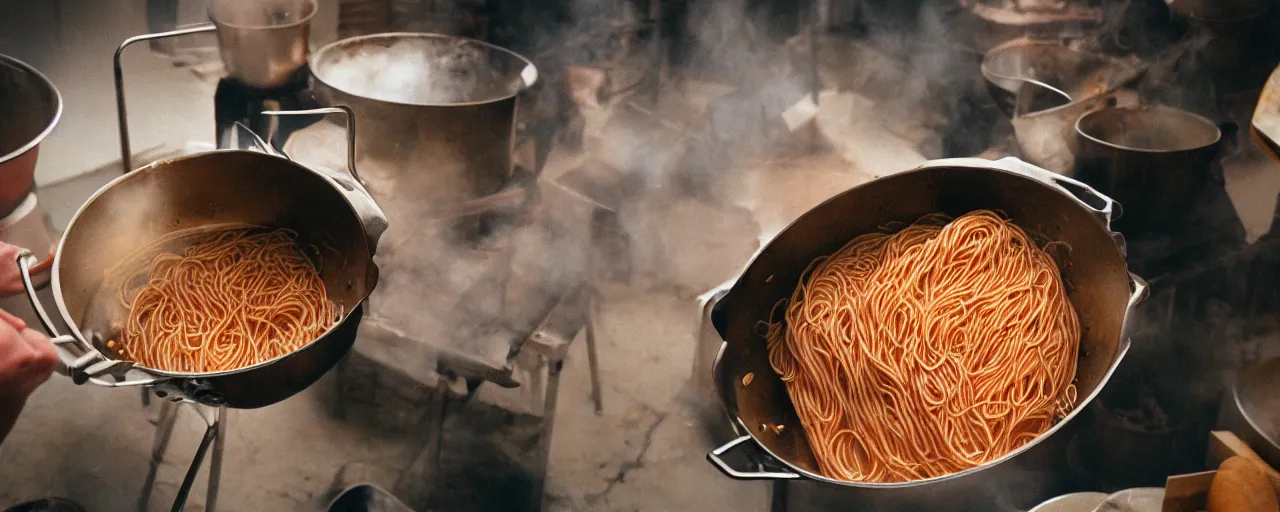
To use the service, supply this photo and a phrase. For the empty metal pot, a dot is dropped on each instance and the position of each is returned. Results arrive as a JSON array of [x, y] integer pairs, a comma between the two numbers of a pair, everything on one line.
[[1046, 86], [1071, 75], [263, 43], [1154, 159], [438, 112], [1251, 409], [30, 107]]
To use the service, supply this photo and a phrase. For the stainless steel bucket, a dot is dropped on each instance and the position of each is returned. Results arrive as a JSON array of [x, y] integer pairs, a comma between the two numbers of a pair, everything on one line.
[[263, 43], [438, 111], [1057, 207], [29, 109]]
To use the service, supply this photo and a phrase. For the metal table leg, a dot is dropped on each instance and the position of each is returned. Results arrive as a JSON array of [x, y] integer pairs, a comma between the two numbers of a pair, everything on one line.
[[548, 426], [593, 359], [778, 500], [428, 457], [215, 462], [164, 429]]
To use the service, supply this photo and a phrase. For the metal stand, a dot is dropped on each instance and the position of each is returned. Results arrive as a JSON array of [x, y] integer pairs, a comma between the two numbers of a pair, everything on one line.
[[215, 436]]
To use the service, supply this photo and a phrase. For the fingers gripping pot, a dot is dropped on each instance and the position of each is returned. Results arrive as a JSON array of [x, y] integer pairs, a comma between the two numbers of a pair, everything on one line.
[[329, 210], [1057, 207]]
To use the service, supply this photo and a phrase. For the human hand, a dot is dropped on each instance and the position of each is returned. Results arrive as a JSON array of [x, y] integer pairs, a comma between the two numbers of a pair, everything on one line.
[[11, 275], [26, 360]]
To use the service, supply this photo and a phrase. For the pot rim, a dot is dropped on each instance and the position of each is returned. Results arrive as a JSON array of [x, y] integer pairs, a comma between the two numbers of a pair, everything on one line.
[[53, 121], [1240, 408], [1008, 166], [311, 13], [1156, 108], [528, 74], [55, 274]]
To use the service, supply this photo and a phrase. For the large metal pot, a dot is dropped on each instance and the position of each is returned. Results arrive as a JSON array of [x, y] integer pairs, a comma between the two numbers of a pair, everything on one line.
[[29, 109], [263, 43], [1251, 409], [1155, 160], [329, 210], [441, 111], [1057, 207]]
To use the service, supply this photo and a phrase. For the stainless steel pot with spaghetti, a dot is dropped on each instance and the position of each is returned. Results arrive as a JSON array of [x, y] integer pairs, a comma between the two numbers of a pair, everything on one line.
[[1045, 205], [328, 212]]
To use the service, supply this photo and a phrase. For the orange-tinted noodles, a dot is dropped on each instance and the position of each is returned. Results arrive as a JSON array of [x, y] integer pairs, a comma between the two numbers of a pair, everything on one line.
[[927, 351], [226, 299]]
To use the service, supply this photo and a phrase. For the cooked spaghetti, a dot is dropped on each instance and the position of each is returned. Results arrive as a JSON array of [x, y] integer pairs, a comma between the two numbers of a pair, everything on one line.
[[219, 299], [924, 352]]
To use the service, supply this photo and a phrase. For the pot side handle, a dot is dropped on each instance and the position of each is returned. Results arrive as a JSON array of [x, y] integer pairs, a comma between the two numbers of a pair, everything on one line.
[[1104, 207], [78, 358], [715, 457], [1138, 290], [353, 187]]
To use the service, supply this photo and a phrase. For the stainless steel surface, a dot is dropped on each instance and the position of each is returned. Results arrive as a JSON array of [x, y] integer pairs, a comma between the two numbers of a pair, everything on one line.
[[263, 43], [367, 498], [1054, 206], [1074, 502], [1046, 86], [1155, 160], [1074, 74], [201, 190], [1251, 409], [30, 107], [439, 111]]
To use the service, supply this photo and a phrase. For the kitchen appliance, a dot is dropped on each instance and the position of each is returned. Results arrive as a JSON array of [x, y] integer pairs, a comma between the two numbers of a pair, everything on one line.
[[30, 107], [1155, 160], [441, 109], [1054, 206]]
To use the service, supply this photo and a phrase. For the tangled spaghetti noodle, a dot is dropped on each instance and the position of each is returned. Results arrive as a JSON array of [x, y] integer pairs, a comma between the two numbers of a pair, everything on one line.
[[222, 299], [927, 351]]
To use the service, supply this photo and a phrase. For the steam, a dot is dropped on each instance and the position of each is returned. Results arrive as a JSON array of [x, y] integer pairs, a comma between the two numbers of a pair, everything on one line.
[[422, 71]]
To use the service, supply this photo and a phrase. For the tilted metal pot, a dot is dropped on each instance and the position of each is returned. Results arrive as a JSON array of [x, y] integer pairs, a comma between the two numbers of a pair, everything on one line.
[[1059, 208], [329, 210]]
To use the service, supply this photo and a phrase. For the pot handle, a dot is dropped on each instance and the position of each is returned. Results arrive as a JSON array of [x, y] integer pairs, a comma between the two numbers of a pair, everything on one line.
[[714, 456], [353, 186], [77, 358], [1138, 290], [122, 117], [1104, 207]]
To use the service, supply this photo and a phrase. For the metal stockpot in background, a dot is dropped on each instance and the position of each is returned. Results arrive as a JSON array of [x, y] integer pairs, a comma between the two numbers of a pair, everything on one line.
[[30, 107], [439, 110], [1155, 160], [328, 209], [1059, 208], [263, 44]]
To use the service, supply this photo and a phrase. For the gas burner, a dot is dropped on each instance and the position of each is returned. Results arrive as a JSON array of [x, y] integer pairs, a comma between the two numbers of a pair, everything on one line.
[[236, 103]]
